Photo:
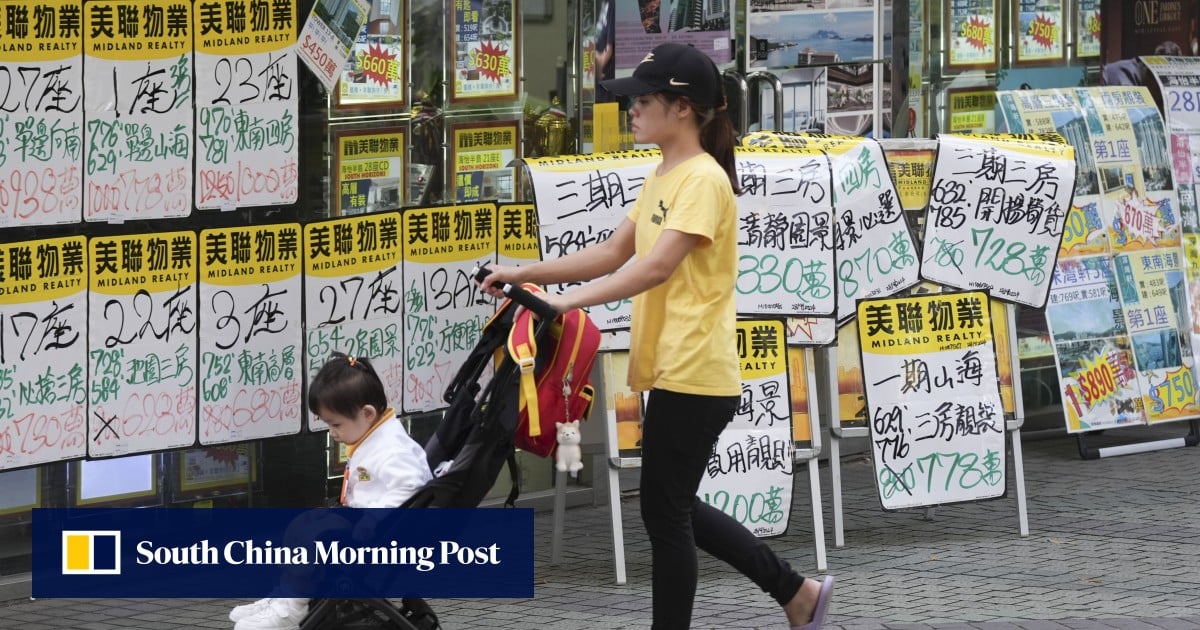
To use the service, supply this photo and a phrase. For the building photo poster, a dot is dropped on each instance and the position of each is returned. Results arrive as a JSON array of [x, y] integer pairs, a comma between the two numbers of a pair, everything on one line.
[[485, 38], [971, 36]]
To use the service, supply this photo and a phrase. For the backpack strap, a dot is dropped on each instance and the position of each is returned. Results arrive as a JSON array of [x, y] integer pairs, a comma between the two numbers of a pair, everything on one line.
[[522, 347]]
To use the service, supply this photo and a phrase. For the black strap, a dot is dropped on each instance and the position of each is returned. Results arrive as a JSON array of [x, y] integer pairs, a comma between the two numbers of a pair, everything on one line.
[[511, 501]]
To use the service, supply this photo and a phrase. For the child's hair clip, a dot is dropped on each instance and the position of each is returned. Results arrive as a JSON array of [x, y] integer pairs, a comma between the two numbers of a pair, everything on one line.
[[353, 361]]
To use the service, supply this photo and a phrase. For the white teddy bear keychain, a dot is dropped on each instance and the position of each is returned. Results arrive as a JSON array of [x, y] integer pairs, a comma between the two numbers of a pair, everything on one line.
[[569, 456]]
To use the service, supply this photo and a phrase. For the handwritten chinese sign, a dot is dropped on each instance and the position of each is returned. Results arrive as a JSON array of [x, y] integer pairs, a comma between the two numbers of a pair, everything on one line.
[[749, 475], [138, 108], [995, 216], [935, 414], [785, 233], [250, 333], [352, 296], [43, 351], [142, 369], [444, 311], [247, 101], [485, 39], [41, 114]]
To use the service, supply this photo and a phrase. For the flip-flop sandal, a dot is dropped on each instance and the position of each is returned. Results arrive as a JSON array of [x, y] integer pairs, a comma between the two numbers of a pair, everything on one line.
[[821, 608]]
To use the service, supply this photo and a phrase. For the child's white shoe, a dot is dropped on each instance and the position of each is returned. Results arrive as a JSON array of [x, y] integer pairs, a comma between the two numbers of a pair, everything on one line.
[[248, 610], [281, 613]]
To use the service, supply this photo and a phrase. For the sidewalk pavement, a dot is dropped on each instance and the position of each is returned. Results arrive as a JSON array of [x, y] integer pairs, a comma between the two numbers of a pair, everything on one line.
[[1113, 543]]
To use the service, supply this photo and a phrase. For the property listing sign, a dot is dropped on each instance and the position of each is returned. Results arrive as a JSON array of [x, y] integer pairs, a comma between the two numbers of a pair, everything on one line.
[[142, 340], [1097, 373], [352, 296], [444, 311], [995, 217], [247, 104], [1087, 28], [749, 475], [43, 351], [1040, 31], [369, 165], [935, 414], [971, 27], [251, 339], [138, 109], [327, 38], [41, 114], [485, 38], [375, 74]]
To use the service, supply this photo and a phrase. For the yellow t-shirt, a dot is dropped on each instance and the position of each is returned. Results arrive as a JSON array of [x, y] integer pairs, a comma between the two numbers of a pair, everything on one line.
[[683, 330]]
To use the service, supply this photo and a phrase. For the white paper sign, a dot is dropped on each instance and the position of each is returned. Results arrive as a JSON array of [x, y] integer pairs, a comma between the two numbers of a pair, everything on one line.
[[43, 351], [248, 104], [933, 398], [995, 218], [139, 109], [251, 339], [142, 368], [41, 114], [749, 475], [444, 311], [353, 297]]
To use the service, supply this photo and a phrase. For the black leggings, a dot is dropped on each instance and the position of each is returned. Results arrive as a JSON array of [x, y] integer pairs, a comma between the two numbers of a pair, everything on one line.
[[678, 436]]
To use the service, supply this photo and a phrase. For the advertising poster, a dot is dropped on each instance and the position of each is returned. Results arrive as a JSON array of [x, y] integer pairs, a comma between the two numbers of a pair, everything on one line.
[[971, 110], [353, 297], [248, 104], [484, 39], [251, 335], [375, 73], [329, 35], [139, 110], [971, 27], [120, 480], [142, 340], [1046, 111], [1087, 28], [1153, 298], [1040, 32], [644, 24], [996, 215], [481, 154], [1097, 374], [852, 398], [936, 418], [910, 161], [1129, 141], [216, 467], [369, 166], [804, 403], [444, 311], [789, 35], [749, 475], [41, 139], [43, 351]]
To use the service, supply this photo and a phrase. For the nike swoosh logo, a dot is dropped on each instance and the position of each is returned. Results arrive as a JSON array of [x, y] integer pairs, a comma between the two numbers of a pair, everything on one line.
[[672, 81]]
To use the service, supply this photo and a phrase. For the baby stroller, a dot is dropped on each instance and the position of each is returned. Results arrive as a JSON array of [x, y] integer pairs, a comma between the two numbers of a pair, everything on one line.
[[471, 445]]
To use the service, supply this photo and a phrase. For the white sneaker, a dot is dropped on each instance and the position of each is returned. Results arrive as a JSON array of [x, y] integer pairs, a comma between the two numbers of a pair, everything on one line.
[[277, 614], [248, 610]]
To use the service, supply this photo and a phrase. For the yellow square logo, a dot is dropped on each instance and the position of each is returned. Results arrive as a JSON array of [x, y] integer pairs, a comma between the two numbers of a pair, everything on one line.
[[91, 552]]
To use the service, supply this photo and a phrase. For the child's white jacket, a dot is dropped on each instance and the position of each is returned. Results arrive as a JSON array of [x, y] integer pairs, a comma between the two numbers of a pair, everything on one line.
[[385, 468]]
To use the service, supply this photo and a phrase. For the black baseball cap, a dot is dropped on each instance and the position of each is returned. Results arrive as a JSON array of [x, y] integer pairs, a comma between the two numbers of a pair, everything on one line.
[[672, 67]]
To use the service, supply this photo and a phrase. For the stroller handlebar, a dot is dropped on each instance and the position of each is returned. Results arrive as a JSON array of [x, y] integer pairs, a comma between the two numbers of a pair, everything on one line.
[[520, 296]]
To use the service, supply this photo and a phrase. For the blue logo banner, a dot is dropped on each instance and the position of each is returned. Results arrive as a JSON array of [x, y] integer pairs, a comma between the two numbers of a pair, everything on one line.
[[257, 552]]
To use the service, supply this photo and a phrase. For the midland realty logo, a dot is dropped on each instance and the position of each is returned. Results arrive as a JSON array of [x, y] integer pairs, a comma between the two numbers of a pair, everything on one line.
[[91, 552]]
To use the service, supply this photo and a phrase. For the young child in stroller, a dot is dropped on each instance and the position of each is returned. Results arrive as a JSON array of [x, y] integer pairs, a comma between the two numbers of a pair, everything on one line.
[[385, 467]]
